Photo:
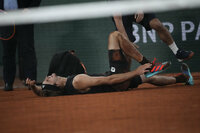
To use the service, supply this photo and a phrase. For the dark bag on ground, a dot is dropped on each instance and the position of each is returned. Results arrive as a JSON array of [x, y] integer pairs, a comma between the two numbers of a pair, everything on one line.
[[65, 64]]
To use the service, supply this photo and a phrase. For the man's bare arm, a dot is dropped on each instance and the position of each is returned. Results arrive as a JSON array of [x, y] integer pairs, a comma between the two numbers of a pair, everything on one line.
[[83, 81]]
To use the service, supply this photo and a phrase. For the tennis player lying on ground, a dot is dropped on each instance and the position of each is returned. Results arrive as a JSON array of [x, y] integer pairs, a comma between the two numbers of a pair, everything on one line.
[[62, 80]]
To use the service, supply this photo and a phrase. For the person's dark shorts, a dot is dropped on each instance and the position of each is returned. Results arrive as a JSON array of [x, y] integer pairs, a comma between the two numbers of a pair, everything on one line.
[[129, 19], [119, 64], [135, 82]]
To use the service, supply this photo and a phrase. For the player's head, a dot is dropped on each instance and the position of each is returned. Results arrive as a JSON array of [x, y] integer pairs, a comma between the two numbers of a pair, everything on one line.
[[51, 82], [51, 79], [51, 86]]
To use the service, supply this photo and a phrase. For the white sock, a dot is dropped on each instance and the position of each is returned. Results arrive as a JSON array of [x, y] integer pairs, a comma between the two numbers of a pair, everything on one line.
[[173, 47]]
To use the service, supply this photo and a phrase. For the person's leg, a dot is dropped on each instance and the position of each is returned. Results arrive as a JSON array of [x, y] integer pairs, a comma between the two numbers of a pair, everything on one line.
[[116, 55], [162, 31], [159, 80], [166, 37], [165, 80], [9, 64], [150, 22], [27, 55], [118, 61], [120, 53], [184, 77], [118, 41]]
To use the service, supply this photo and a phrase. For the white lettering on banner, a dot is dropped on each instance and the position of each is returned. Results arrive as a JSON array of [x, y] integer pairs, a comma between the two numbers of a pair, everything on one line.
[[151, 33], [198, 33], [184, 30], [169, 25], [135, 33], [144, 34]]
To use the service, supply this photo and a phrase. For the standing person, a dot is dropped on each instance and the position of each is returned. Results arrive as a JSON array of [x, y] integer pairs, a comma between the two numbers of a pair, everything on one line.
[[148, 20], [23, 40], [119, 78]]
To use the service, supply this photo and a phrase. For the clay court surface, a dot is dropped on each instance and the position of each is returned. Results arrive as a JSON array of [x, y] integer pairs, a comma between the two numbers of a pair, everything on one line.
[[149, 109]]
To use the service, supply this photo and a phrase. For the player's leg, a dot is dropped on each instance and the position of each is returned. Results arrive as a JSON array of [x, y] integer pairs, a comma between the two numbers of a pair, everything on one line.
[[166, 37], [116, 54], [116, 38], [150, 22], [118, 61], [165, 80], [184, 77], [118, 41], [162, 31], [120, 49], [159, 80]]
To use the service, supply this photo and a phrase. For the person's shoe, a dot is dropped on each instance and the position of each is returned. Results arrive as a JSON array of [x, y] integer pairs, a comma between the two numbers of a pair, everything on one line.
[[158, 68], [186, 71], [183, 55], [8, 87]]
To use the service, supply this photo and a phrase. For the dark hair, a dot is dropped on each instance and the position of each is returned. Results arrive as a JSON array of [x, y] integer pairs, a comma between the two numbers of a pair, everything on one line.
[[51, 90], [49, 87]]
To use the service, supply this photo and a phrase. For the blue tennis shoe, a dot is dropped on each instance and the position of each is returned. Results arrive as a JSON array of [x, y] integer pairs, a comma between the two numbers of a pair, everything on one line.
[[186, 71]]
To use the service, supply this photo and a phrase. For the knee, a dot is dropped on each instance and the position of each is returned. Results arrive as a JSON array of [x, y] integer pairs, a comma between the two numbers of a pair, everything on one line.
[[114, 34], [113, 41]]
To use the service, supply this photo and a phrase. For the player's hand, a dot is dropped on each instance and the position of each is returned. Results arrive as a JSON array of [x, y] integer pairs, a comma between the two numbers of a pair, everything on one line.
[[143, 68], [30, 82], [139, 16], [32, 85]]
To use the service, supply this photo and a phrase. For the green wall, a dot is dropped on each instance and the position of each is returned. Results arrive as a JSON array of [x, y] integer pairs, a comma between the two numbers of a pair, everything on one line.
[[89, 39]]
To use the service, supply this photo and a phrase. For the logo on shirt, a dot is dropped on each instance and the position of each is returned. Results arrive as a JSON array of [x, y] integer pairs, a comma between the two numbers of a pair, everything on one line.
[[112, 69]]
